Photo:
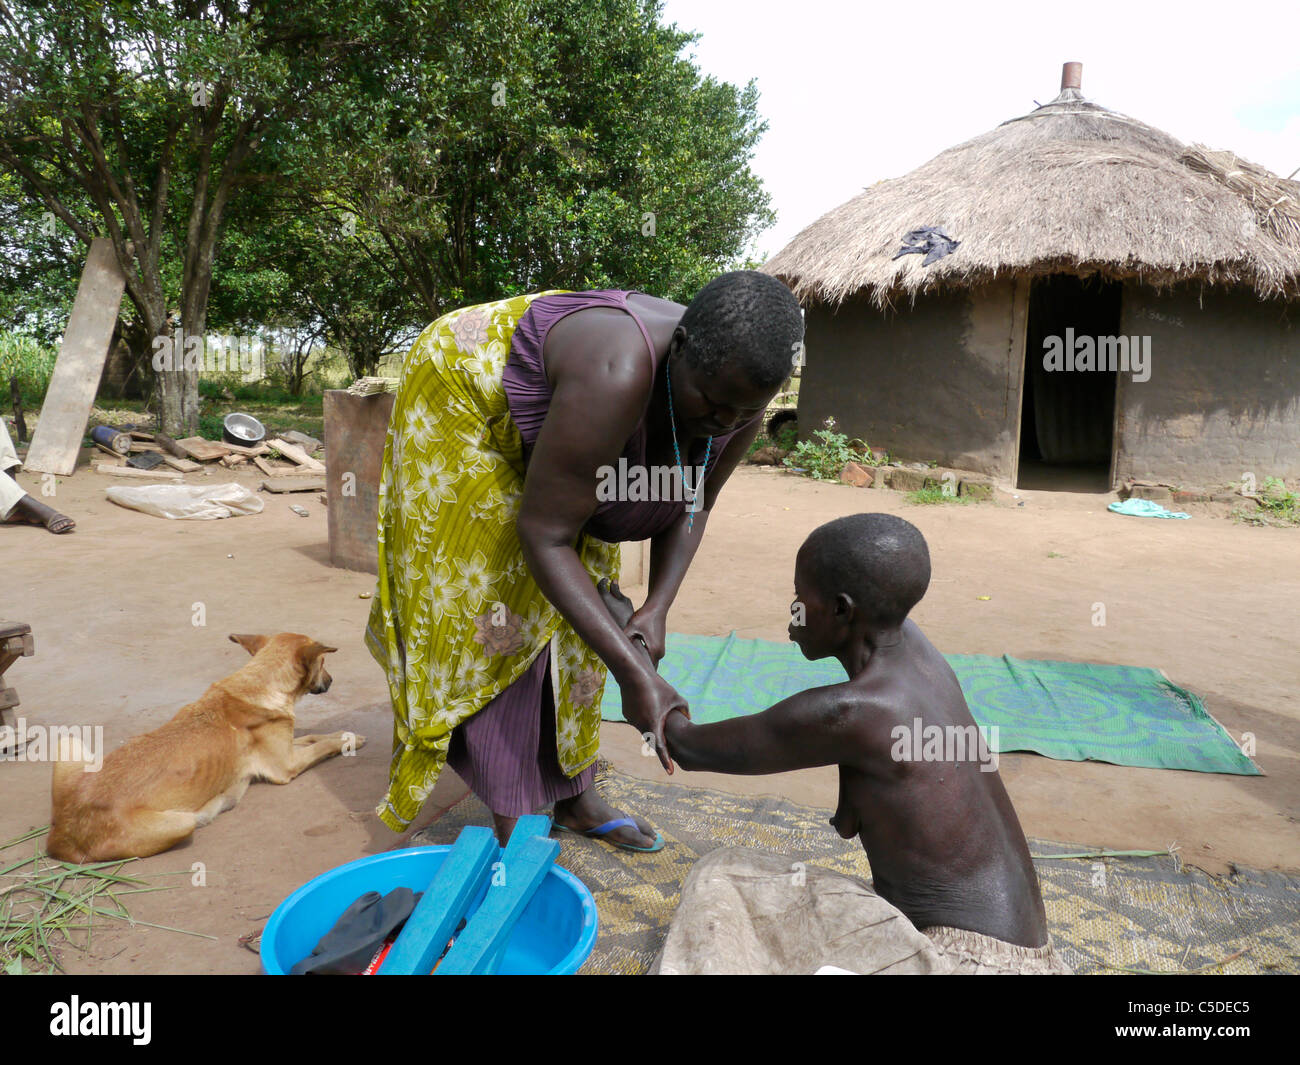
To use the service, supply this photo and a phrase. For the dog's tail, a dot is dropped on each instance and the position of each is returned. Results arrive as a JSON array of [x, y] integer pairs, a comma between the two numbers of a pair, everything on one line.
[[69, 771]]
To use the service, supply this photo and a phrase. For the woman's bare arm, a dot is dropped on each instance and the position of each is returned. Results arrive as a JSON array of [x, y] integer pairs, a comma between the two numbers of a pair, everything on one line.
[[591, 416]]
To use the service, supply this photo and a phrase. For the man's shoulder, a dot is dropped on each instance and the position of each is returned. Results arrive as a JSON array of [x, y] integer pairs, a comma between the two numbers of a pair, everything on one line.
[[858, 713]]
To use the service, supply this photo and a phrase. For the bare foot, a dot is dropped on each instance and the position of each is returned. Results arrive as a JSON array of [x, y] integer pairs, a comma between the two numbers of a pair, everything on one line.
[[27, 511], [589, 810]]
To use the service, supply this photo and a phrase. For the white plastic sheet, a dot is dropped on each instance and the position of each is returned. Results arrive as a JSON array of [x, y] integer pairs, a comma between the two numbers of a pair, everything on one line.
[[199, 501]]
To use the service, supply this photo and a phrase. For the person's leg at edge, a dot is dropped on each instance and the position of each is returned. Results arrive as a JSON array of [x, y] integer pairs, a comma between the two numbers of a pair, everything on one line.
[[16, 506]]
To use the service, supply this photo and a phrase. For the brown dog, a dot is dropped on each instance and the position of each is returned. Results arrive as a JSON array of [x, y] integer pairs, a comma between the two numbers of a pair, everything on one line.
[[155, 790]]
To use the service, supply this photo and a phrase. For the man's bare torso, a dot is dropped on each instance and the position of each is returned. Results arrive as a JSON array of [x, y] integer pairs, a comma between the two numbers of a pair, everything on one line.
[[925, 799]]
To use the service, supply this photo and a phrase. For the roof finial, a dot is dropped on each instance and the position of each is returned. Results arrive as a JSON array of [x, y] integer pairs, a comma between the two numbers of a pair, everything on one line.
[[1072, 76]]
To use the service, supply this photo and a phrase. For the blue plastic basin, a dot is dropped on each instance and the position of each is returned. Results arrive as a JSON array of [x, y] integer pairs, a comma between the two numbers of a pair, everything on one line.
[[554, 936]]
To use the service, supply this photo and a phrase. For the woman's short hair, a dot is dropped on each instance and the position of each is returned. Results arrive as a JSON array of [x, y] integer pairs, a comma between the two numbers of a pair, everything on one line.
[[747, 319]]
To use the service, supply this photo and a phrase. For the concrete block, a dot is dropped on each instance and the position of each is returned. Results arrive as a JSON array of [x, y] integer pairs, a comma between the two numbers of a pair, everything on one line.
[[902, 479], [355, 431], [1157, 493]]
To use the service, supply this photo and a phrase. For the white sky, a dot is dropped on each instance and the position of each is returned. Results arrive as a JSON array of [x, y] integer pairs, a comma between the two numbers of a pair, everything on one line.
[[856, 92]]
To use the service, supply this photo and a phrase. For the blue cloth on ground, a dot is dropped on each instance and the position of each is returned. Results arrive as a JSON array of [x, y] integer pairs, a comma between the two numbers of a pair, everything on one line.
[[1145, 508]]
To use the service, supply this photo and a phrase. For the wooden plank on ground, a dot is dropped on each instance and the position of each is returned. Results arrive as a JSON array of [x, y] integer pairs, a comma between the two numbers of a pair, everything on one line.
[[80, 364], [138, 446], [308, 443], [297, 454], [241, 449], [201, 450], [276, 471], [148, 475], [184, 465], [293, 484]]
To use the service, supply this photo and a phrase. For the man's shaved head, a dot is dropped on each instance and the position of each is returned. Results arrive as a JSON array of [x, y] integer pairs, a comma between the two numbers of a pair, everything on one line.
[[880, 561]]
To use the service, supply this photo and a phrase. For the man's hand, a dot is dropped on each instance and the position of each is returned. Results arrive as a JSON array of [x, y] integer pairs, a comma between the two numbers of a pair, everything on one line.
[[647, 703]]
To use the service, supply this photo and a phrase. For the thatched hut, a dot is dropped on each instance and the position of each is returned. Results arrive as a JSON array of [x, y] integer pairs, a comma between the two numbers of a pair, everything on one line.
[[1076, 228]]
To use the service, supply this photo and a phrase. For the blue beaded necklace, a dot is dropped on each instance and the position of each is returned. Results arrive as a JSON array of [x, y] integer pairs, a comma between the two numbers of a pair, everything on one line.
[[691, 493]]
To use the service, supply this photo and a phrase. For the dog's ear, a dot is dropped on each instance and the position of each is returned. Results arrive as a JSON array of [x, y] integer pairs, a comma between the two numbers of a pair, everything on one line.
[[251, 644], [312, 650]]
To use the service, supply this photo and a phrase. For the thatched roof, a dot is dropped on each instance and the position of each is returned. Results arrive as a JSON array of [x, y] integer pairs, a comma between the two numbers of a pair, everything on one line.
[[1069, 187]]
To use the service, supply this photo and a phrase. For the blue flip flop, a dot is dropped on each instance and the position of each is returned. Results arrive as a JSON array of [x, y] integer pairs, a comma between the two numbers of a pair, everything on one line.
[[601, 831]]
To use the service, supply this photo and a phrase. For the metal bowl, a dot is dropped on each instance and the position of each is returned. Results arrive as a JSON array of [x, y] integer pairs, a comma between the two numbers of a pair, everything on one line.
[[242, 429]]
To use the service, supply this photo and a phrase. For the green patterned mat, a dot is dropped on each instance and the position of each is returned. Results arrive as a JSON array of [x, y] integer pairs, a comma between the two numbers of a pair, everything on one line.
[[1074, 711], [1107, 915]]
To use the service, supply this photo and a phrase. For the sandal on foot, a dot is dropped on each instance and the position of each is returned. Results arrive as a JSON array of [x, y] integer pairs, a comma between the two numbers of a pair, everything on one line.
[[601, 831]]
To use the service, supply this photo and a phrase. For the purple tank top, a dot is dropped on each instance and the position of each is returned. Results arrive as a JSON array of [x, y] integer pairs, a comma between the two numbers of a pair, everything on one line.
[[528, 394]]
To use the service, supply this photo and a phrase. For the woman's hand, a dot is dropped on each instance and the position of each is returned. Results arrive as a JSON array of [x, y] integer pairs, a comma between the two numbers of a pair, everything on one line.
[[649, 625], [647, 702]]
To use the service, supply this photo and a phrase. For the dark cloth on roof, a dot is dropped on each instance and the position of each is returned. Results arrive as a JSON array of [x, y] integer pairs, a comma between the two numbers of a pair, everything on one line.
[[931, 241]]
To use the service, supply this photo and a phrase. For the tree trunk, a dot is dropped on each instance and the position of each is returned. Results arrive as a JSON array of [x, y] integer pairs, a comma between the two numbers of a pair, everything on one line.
[[171, 404], [178, 388]]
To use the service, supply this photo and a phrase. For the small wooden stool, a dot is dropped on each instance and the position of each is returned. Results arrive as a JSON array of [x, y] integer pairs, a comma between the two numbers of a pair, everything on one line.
[[15, 643]]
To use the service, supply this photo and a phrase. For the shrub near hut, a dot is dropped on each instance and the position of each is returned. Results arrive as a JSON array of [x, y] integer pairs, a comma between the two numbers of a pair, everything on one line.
[[825, 457]]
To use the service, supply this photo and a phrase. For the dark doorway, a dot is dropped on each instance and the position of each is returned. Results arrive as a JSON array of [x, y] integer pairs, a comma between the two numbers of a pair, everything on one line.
[[1067, 418]]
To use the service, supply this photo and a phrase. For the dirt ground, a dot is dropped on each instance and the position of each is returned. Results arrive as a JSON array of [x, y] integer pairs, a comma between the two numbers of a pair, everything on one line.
[[112, 607]]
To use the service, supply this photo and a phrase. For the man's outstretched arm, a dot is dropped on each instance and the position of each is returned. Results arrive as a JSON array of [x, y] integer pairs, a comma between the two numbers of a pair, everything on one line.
[[809, 729]]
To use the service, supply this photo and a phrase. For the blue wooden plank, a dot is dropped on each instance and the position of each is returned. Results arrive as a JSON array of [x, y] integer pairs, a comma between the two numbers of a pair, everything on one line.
[[478, 948], [525, 829], [445, 901]]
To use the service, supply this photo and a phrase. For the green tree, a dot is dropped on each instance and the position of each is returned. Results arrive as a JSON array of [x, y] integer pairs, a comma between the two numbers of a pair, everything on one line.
[[558, 143], [143, 120], [479, 148], [316, 272], [36, 285]]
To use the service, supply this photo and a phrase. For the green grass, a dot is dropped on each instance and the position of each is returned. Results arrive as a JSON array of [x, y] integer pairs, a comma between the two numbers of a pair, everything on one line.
[[267, 400], [1279, 502], [24, 357], [1277, 506], [933, 495], [786, 438], [47, 904]]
